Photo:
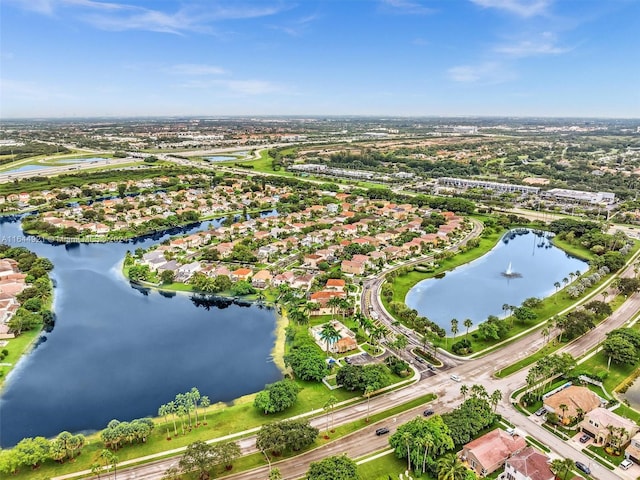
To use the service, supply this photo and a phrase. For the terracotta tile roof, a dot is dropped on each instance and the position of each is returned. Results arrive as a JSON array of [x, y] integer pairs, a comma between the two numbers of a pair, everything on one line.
[[532, 464], [495, 447], [573, 397]]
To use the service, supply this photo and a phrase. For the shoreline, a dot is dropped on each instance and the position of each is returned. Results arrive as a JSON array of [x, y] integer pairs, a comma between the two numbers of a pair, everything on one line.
[[278, 350]]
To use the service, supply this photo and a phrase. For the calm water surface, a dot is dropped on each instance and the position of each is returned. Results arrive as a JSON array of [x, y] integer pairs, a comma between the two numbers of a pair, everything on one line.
[[479, 289], [117, 352]]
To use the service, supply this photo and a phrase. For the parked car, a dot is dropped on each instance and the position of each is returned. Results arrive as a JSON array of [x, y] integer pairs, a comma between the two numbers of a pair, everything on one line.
[[431, 367], [456, 378], [541, 411], [382, 431], [428, 412], [625, 464], [584, 438], [421, 360], [583, 468]]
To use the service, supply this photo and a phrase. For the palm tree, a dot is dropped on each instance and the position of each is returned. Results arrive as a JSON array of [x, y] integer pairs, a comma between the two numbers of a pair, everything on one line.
[[464, 390], [204, 403], [557, 285], [449, 467], [545, 333], [454, 327], [565, 280], [171, 409], [427, 443], [564, 408], [329, 335], [194, 396], [467, 323], [407, 438], [562, 468], [163, 411], [367, 392], [331, 401], [495, 398], [334, 303]]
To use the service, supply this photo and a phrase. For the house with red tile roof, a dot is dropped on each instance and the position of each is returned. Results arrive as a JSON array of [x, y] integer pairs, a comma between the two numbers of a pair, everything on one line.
[[489, 452], [529, 464], [355, 268], [241, 274], [335, 285]]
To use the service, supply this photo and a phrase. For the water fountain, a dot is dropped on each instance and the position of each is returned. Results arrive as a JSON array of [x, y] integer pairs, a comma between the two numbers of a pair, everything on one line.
[[509, 273]]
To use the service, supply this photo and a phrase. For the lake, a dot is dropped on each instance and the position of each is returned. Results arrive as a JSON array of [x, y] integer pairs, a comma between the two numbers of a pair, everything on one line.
[[480, 288], [118, 352]]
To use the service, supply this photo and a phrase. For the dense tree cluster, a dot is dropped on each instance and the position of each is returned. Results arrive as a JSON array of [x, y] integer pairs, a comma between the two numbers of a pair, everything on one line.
[[277, 396], [278, 437], [623, 346], [307, 363], [31, 452], [201, 457], [333, 468], [33, 312], [362, 377], [117, 433]]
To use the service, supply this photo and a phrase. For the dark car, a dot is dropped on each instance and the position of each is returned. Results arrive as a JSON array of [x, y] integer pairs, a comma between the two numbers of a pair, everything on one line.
[[382, 431], [431, 367], [428, 413], [421, 360], [582, 467], [584, 438]]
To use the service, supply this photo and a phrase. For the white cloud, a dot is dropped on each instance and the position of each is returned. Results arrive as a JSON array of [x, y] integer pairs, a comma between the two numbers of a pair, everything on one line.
[[545, 45], [122, 16], [483, 73], [408, 7], [297, 27], [522, 8], [28, 90], [195, 69]]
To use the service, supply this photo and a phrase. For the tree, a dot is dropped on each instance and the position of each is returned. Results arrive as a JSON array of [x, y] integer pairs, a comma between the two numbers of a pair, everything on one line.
[[204, 403], [562, 467], [524, 314], [333, 468], [226, 453], [167, 276], [199, 457], [454, 327], [620, 350], [307, 363], [274, 474], [450, 467], [277, 396], [495, 398], [564, 409], [464, 390], [468, 323], [32, 451], [329, 334]]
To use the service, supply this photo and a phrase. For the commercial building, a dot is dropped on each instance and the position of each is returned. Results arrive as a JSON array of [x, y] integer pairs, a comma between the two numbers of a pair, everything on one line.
[[464, 183]]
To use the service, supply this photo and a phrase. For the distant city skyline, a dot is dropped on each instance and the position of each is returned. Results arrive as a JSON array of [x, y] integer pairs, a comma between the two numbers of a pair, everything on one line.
[[446, 58]]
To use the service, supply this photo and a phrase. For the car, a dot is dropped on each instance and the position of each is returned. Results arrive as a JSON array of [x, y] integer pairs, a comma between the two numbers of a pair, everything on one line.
[[584, 438], [625, 464], [431, 367], [583, 468], [347, 360], [421, 360], [456, 378], [541, 411], [511, 431], [382, 431], [428, 412]]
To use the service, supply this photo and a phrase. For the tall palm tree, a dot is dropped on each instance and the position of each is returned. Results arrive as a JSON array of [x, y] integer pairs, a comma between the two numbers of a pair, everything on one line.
[[557, 285], [564, 408], [454, 327], [427, 443], [407, 438], [467, 323], [334, 303], [449, 467], [495, 398], [204, 403], [329, 335], [464, 390]]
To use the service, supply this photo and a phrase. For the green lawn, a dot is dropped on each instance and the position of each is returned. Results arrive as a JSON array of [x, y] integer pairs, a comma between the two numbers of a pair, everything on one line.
[[17, 347], [385, 467]]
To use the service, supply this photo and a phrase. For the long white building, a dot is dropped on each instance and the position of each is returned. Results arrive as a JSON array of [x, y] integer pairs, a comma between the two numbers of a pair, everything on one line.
[[495, 186]]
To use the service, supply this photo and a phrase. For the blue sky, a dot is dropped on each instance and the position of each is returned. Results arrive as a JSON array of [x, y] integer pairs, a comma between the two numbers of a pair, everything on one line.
[[65, 58]]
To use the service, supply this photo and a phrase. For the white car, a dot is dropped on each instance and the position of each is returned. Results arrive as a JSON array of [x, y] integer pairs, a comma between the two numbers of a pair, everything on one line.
[[456, 378], [625, 464]]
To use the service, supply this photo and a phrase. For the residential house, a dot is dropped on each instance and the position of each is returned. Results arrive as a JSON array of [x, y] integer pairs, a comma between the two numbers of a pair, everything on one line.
[[529, 464], [489, 452], [312, 260], [598, 424], [335, 285], [321, 299], [241, 274], [261, 279], [632, 452], [355, 268], [574, 399], [185, 272], [302, 282]]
